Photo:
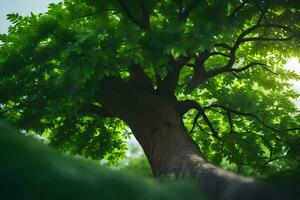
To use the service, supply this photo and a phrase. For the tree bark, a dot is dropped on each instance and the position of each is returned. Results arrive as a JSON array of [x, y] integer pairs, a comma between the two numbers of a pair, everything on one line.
[[156, 122]]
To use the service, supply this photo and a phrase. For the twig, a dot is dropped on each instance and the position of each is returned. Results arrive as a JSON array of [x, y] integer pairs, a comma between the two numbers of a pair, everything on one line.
[[238, 8], [250, 115]]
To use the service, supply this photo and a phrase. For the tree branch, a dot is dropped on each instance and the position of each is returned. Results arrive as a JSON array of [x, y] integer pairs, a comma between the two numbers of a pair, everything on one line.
[[268, 161], [94, 110], [189, 104], [145, 17], [198, 79], [219, 53], [241, 39], [22, 105], [139, 77], [186, 105], [185, 12], [200, 127], [223, 45], [250, 115], [194, 123], [240, 167], [170, 82], [199, 69], [200, 76], [238, 8], [262, 11], [230, 121], [143, 23], [272, 39], [240, 69], [212, 129]]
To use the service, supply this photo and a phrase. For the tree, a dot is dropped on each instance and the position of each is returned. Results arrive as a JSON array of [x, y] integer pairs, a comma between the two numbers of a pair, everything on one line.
[[199, 84]]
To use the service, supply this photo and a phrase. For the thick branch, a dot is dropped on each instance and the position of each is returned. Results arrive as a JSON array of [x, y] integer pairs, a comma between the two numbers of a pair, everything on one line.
[[169, 84], [189, 104], [201, 76], [140, 78], [143, 23], [199, 69], [186, 105]]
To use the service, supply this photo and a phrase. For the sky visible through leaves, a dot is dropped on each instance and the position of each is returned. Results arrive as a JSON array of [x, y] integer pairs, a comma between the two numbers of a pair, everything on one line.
[[23, 7]]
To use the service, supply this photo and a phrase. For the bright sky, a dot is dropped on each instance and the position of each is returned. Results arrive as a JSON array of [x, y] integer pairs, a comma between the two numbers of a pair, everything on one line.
[[23, 7], [293, 64]]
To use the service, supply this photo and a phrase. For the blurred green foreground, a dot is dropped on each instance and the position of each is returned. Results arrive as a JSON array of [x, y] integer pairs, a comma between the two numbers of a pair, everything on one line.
[[30, 170]]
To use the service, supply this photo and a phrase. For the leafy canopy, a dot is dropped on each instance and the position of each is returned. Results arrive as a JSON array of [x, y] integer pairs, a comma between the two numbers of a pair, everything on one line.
[[233, 54]]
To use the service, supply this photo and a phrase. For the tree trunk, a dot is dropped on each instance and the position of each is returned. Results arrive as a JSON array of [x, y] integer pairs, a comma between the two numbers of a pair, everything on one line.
[[157, 125]]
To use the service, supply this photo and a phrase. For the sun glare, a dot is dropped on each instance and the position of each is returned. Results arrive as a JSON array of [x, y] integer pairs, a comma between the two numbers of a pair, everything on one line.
[[293, 64]]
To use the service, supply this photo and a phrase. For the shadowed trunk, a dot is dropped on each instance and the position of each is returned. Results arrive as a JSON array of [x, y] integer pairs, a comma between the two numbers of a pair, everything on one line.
[[156, 123]]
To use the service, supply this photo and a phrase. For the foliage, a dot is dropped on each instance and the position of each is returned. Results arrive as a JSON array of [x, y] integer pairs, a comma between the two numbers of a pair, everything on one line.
[[51, 66], [39, 172]]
